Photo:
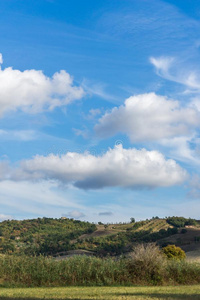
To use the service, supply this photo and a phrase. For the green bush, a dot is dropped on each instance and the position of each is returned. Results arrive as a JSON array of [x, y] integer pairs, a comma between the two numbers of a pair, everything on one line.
[[183, 272], [180, 221], [173, 252]]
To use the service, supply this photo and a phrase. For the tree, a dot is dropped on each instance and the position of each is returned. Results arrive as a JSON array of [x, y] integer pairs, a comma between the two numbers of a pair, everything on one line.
[[173, 252], [132, 220]]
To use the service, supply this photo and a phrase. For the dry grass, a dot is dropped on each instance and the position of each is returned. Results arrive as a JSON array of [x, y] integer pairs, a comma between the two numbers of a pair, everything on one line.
[[193, 256], [147, 263]]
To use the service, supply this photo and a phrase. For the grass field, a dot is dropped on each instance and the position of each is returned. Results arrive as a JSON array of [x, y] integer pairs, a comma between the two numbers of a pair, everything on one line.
[[106, 293]]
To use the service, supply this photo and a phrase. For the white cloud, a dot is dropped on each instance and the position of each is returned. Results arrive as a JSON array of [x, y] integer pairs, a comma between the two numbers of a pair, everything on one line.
[[31, 91], [5, 170], [98, 89], [19, 135], [38, 198], [75, 214], [84, 133], [194, 187], [130, 168], [148, 117], [162, 64], [5, 217], [170, 69], [179, 148], [106, 213], [93, 113]]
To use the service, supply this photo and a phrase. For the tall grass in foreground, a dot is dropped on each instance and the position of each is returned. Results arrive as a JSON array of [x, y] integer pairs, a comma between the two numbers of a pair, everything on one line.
[[146, 265], [77, 270]]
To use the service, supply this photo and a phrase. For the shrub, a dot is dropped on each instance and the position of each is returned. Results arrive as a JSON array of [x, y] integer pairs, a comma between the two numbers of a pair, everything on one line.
[[183, 272], [180, 221], [172, 230], [191, 222], [132, 220], [146, 264], [173, 252]]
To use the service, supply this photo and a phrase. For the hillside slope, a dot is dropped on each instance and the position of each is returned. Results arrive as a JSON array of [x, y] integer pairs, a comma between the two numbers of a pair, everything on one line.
[[61, 237]]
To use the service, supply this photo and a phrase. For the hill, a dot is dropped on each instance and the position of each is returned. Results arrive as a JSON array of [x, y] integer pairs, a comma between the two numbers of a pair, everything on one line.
[[61, 237], [41, 236]]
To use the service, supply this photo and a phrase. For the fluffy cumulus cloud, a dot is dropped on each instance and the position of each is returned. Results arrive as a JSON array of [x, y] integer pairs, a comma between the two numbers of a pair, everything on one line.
[[5, 170], [31, 91], [129, 168], [148, 117]]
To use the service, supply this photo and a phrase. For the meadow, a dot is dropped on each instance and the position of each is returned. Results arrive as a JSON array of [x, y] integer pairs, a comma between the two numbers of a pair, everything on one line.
[[106, 293]]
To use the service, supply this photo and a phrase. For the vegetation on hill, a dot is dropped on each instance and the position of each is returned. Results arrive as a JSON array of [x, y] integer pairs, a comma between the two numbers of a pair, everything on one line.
[[181, 221], [27, 249], [173, 252], [127, 236], [41, 236], [54, 237]]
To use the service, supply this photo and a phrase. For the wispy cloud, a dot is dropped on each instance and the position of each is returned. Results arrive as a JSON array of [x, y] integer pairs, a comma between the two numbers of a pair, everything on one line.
[[106, 213], [98, 89], [19, 135], [36, 198], [5, 217], [168, 68], [143, 22], [194, 187], [184, 148]]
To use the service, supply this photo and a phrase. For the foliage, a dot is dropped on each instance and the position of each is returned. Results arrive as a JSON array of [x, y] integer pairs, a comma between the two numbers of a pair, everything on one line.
[[147, 264], [183, 272], [117, 244], [173, 252], [132, 220], [77, 270], [41, 236], [180, 221], [55, 237]]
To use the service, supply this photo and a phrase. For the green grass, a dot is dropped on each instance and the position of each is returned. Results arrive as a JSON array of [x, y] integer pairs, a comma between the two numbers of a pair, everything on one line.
[[146, 266], [106, 293]]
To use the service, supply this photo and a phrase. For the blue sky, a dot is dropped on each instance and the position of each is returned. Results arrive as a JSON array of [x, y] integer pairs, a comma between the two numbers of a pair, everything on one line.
[[99, 109]]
